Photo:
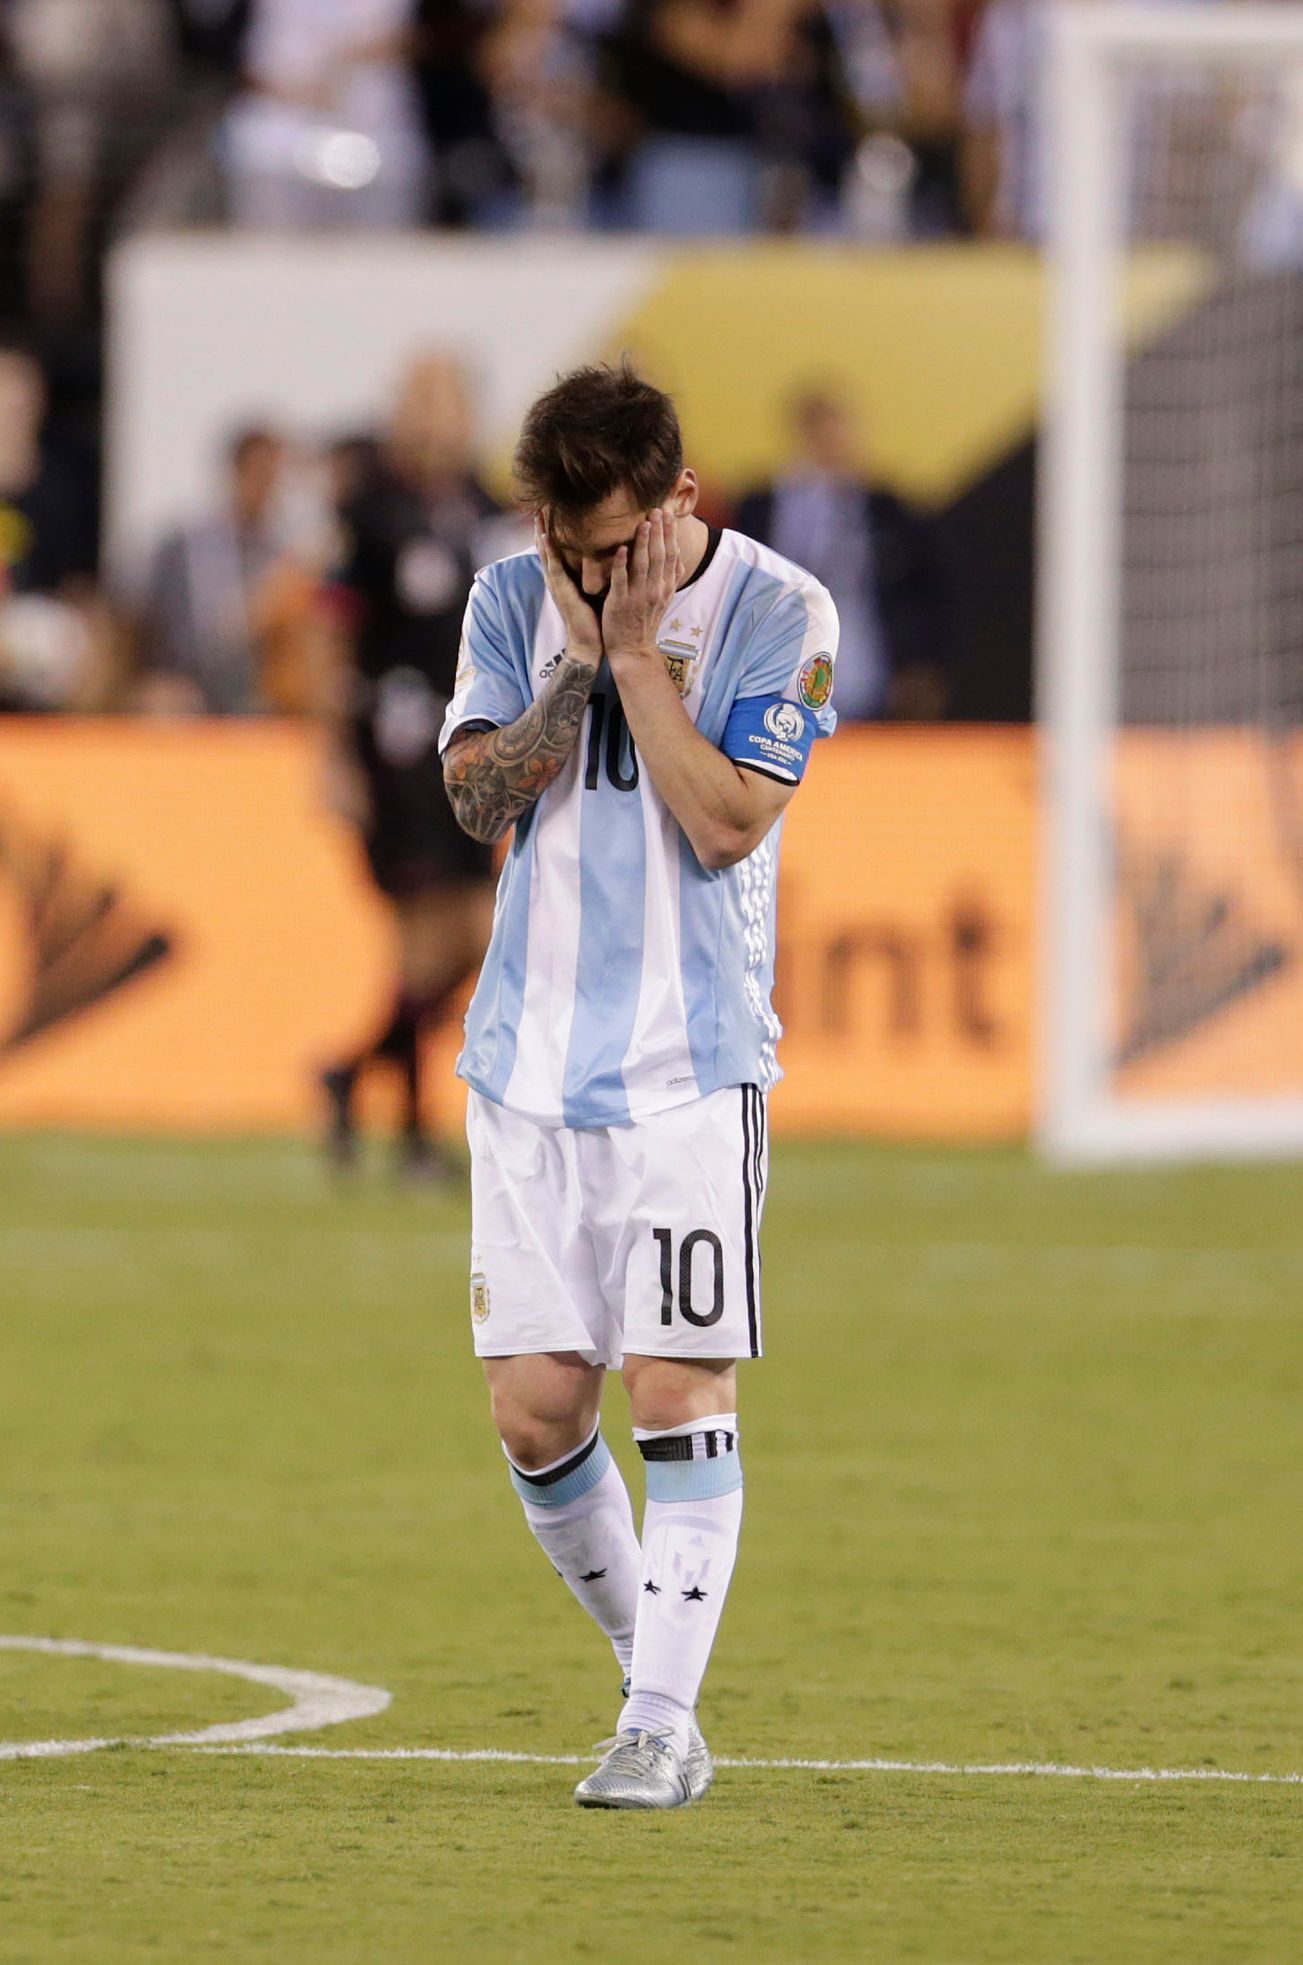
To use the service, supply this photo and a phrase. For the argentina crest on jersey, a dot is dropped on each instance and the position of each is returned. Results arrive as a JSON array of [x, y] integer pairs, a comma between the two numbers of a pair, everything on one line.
[[683, 654]]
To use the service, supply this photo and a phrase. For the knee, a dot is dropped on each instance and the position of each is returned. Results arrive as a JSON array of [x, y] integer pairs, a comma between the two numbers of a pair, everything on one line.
[[664, 1393], [536, 1433], [526, 1437], [530, 1443]]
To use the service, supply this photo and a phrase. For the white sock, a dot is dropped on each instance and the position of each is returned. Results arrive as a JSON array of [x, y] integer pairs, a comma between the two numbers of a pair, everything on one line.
[[689, 1545], [579, 1511]]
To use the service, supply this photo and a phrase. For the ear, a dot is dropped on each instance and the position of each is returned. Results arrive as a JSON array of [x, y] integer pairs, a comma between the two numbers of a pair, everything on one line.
[[683, 498]]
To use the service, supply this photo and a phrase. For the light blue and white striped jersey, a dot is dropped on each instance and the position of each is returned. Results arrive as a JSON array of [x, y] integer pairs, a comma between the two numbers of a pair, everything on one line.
[[623, 977]]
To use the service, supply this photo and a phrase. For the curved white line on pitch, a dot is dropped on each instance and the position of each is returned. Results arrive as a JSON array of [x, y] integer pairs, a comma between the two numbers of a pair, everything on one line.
[[317, 1699], [320, 1700], [1046, 1768]]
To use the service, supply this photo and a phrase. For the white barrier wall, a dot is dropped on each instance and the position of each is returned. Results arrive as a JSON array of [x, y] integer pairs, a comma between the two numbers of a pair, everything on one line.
[[212, 331]]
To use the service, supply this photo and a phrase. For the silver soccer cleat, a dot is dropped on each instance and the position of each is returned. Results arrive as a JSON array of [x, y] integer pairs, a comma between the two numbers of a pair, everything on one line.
[[639, 1771], [699, 1767]]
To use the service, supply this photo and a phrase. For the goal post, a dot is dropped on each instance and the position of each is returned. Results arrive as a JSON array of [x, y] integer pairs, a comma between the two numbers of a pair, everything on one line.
[[1170, 590]]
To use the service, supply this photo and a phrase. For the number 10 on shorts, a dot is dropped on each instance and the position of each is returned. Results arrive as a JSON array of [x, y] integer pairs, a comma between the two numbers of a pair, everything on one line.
[[693, 1267]]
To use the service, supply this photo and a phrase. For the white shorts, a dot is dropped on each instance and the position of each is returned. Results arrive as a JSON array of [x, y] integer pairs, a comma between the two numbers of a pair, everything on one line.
[[615, 1239]]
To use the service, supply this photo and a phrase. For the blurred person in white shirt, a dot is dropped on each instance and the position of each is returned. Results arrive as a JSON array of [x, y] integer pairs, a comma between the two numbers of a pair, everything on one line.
[[327, 133]]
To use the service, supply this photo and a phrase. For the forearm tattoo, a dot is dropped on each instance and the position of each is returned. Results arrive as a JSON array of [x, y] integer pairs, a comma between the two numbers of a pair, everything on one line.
[[494, 775]]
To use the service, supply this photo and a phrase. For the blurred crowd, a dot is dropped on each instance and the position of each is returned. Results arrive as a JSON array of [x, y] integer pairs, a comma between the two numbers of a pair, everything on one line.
[[877, 121], [868, 119]]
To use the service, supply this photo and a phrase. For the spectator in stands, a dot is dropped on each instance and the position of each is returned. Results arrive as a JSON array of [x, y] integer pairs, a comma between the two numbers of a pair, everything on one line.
[[902, 65], [225, 598], [99, 74], [716, 93], [1006, 150], [537, 62], [57, 649], [48, 538], [874, 554], [15, 173], [327, 132], [473, 178], [211, 32], [1003, 164], [414, 536]]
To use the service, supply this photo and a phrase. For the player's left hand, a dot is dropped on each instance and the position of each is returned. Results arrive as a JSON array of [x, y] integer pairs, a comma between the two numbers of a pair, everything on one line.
[[643, 580]]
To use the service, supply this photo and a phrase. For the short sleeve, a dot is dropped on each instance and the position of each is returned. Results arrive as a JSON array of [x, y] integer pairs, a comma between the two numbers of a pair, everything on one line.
[[784, 696], [488, 688]]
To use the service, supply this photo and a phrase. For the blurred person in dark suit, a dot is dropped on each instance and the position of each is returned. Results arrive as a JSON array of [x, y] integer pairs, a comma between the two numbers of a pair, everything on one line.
[[222, 594], [874, 554], [414, 534]]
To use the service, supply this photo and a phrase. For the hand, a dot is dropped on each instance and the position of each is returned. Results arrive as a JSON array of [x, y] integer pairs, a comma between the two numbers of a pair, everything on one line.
[[582, 626], [642, 586]]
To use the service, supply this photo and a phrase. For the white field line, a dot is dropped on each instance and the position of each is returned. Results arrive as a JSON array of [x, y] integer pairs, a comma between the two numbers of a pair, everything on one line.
[[1046, 1768], [316, 1699], [319, 1700]]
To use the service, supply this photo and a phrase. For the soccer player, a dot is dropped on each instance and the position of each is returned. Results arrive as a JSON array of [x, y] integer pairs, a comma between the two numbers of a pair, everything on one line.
[[638, 697]]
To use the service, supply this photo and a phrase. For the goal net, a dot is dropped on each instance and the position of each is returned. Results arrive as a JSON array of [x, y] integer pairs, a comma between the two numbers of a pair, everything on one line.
[[1171, 603]]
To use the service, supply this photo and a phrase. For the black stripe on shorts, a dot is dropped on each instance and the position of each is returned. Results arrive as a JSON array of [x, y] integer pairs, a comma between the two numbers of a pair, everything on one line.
[[751, 1213]]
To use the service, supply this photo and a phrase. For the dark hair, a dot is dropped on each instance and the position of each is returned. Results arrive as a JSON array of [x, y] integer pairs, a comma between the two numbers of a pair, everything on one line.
[[597, 430]]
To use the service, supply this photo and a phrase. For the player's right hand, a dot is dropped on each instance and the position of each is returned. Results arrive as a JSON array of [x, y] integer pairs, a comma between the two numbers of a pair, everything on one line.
[[583, 627]]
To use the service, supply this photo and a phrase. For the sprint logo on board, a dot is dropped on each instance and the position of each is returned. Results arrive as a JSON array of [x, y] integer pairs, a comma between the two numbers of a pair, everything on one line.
[[1198, 952], [77, 940]]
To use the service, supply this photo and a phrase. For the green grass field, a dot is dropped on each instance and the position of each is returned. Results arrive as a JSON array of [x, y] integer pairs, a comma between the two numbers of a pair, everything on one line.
[[1024, 1484]]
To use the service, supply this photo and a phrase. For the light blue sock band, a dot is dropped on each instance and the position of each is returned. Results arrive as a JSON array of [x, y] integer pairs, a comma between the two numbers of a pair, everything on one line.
[[567, 1481], [694, 1480]]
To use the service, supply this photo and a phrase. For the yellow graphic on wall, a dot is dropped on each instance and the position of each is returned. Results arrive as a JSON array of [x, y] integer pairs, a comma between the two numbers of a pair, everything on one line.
[[940, 350]]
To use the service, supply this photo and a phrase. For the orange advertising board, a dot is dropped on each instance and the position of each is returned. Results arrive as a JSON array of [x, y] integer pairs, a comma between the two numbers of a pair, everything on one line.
[[906, 948], [1209, 985], [198, 853], [185, 936]]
